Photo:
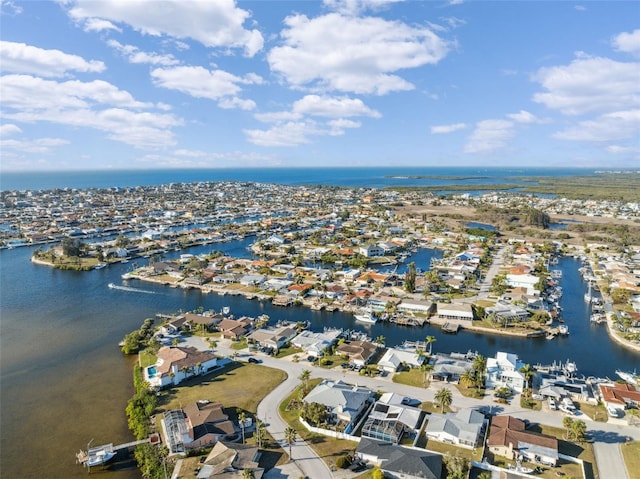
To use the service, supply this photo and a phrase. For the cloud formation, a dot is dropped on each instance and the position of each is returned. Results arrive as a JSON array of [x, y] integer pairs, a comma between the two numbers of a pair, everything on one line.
[[22, 58], [352, 54], [216, 24]]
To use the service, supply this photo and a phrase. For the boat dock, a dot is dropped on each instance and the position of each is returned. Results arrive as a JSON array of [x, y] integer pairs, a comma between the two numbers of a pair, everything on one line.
[[100, 455], [451, 328]]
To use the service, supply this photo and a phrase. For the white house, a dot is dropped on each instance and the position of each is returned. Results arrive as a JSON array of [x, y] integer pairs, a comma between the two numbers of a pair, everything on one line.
[[371, 250], [462, 428], [393, 358], [503, 371], [527, 281], [175, 364]]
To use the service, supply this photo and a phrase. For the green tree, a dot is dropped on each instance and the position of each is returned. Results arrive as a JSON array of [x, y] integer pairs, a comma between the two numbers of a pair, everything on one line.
[[410, 278], [443, 398], [261, 433], [247, 474], [290, 435], [430, 340], [479, 367], [242, 417], [529, 373], [567, 423], [425, 367], [377, 473], [578, 430], [304, 377]]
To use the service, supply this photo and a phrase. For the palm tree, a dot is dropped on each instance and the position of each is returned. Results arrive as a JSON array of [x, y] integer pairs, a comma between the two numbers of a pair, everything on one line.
[[425, 368], [242, 417], [304, 377], [467, 378], [443, 398], [247, 474], [528, 372], [479, 366], [430, 340], [261, 433], [290, 436], [380, 340]]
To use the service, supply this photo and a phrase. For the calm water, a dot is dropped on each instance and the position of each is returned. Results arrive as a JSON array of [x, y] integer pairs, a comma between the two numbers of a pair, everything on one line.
[[354, 177], [65, 382]]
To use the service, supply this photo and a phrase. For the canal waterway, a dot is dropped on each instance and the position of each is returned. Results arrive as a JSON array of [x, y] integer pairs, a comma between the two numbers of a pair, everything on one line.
[[65, 382]]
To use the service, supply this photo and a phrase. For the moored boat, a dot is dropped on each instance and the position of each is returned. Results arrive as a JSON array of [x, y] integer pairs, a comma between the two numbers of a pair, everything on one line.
[[366, 318], [96, 456]]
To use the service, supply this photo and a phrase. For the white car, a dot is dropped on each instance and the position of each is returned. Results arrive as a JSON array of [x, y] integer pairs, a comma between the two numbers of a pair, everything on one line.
[[552, 404]]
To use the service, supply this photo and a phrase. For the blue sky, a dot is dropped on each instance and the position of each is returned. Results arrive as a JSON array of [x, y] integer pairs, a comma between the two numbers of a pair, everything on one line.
[[118, 84]]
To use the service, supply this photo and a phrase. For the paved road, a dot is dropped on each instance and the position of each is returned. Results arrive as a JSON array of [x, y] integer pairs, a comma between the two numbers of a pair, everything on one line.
[[607, 436]]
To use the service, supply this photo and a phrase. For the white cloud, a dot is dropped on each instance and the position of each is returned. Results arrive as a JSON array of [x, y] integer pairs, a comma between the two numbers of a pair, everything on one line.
[[9, 129], [359, 55], [441, 129], [134, 55], [623, 150], [334, 107], [40, 145], [97, 105], [199, 82], [525, 117], [292, 133], [213, 23], [8, 7], [355, 7], [627, 42], [294, 127], [97, 25], [589, 84], [202, 159], [489, 136], [615, 126], [580, 8], [22, 58]]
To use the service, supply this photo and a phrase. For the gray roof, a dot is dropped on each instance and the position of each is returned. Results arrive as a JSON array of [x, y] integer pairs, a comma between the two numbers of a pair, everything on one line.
[[465, 424], [340, 397], [403, 460]]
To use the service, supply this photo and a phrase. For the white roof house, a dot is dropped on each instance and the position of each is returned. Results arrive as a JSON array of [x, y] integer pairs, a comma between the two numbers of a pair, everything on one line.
[[344, 401], [393, 358], [313, 343], [527, 281], [503, 371], [462, 428]]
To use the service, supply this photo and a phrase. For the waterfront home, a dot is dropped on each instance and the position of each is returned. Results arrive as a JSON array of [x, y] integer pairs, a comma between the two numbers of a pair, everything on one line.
[[198, 425], [455, 311], [416, 306], [395, 358], [463, 428], [509, 438], [449, 367], [359, 353], [228, 460], [234, 329], [506, 312], [619, 396], [371, 250], [272, 338], [345, 403], [397, 461], [503, 370], [175, 364], [390, 420], [313, 344], [207, 321], [526, 281]]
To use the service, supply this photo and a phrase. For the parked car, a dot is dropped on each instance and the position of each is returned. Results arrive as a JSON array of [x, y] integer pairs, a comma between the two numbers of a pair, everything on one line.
[[254, 360], [407, 401], [552, 404]]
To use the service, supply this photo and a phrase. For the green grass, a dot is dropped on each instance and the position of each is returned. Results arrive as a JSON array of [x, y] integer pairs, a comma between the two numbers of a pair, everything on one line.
[[444, 449], [470, 392], [413, 377], [237, 386], [283, 352], [146, 358], [597, 413], [631, 455], [240, 344]]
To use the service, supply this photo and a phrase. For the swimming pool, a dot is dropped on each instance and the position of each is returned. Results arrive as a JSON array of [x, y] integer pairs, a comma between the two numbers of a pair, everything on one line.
[[151, 372]]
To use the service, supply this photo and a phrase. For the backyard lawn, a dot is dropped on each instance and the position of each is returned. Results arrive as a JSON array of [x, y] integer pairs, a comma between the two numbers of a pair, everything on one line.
[[631, 454]]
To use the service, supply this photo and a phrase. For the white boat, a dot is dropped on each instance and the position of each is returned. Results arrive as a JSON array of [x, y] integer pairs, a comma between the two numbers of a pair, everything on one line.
[[563, 329], [631, 378], [226, 310], [366, 318], [100, 266], [96, 456]]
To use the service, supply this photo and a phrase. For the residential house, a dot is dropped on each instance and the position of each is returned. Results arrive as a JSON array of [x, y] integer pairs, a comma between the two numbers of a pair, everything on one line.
[[175, 364], [371, 250], [503, 370], [527, 281], [619, 396], [313, 343], [273, 338], [509, 438], [229, 461], [234, 328], [206, 321], [449, 367], [389, 420], [455, 311], [207, 423], [359, 352], [345, 403], [463, 428], [398, 462], [416, 306], [393, 358]]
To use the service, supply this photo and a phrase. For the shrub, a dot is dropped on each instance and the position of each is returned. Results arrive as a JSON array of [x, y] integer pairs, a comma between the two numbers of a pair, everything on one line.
[[343, 461]]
